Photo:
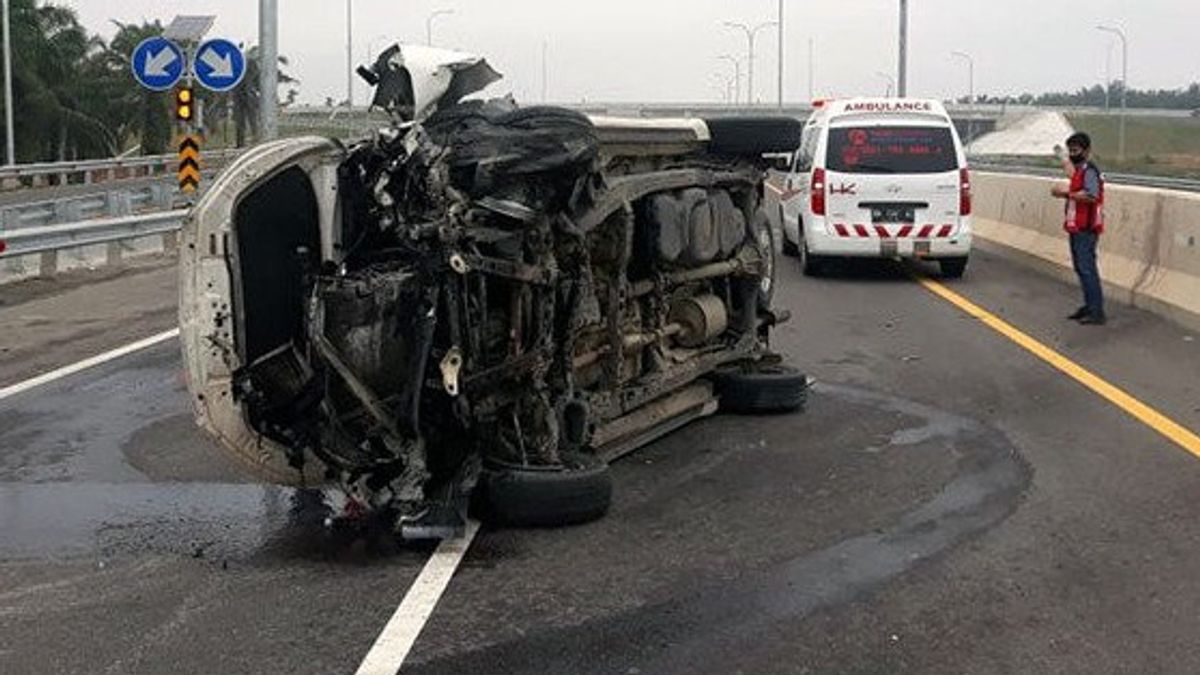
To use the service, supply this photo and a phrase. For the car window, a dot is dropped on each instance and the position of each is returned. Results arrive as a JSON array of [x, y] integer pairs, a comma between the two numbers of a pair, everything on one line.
[[808, 150], [891, 149]]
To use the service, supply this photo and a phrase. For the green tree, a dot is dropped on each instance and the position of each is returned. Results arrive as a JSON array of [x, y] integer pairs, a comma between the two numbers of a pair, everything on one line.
[[53, 118]]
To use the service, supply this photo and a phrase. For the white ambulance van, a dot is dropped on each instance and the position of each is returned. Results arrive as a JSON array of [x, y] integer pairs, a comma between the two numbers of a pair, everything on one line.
[[878, 178]]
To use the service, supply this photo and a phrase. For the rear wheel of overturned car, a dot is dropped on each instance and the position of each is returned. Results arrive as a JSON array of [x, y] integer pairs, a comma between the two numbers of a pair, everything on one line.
[[577, 492], [761, 388], [953, 268], [765, 235]]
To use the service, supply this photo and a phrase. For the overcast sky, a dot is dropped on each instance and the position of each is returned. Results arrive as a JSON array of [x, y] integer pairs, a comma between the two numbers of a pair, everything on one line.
[[667, 50]]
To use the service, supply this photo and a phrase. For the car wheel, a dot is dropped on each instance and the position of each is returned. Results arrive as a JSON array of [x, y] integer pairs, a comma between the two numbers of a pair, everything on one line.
[[761, 388], [580, 491], [790, 249], [953, 268], [765, 237], [810, 265]]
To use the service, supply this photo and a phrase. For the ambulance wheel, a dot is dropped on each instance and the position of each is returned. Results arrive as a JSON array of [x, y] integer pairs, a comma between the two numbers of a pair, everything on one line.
[[953, 268], [790, 249], [812, 265]]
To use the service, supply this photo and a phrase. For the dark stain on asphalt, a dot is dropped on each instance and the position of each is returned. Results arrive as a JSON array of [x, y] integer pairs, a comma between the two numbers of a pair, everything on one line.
[[705, 630]]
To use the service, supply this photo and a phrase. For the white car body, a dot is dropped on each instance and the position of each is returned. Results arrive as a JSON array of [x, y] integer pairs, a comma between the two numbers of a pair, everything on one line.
[[893, 177]]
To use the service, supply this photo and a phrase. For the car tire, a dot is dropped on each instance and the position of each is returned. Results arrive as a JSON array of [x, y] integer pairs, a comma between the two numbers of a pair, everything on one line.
[[761, 388], [953, 268], [764, 236], [811, 265], [580, 491], [790, 249]]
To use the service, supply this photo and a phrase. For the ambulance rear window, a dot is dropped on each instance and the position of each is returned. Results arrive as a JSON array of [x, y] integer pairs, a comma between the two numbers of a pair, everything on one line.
[[893, 149]]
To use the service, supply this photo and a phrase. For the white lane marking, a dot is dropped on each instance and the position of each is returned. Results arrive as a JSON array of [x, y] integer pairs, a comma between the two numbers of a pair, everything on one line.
[[60, 373], [391, 648]]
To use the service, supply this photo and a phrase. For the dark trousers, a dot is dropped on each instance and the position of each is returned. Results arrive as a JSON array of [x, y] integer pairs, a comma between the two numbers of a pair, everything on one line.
[[1083, 255]]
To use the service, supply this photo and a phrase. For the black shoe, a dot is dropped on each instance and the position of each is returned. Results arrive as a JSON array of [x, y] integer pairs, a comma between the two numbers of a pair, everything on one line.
[[1094, 320], [1079, 313]]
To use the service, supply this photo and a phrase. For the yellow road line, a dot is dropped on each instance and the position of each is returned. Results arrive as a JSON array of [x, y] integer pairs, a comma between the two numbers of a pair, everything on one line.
[[1173, 431]]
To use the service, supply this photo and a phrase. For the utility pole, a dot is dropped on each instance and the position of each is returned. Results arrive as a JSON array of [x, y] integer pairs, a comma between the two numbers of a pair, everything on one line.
[[891, 82], [812, 69], [1108, 77], [737, 75], [751, 33], [780, 58], [1124, 84], [8, 92], [970, 97], [902, 80], [349, 61], [545, 70], [268, 68]]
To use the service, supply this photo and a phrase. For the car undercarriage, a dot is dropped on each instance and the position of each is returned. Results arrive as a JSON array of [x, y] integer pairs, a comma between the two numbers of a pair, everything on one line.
[[504, 299]]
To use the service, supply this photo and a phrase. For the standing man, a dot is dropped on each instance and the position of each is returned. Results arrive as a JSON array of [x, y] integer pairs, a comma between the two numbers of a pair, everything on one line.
[[1084, 224]]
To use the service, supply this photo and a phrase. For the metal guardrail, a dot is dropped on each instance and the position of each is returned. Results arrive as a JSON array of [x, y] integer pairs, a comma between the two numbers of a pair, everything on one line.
[[96, 170], [31, 240], [111, 203], [1138, 180]]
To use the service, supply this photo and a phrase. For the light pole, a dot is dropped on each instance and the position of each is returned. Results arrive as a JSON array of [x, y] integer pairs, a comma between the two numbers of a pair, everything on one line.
[[812, 69], [349, 60], [891, 81], [8, 96], [751, 33], [429, 23], [780, 59], [1124, 84], [1108, 76], [737, 75], [268, 67], [902, 88], [971, 95]]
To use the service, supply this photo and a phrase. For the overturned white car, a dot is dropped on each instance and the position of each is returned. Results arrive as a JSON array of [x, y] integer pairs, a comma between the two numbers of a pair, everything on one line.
[[481, 299]]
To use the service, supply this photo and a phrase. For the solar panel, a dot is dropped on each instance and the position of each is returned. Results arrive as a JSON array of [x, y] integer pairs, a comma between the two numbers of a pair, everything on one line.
[[188, 28]]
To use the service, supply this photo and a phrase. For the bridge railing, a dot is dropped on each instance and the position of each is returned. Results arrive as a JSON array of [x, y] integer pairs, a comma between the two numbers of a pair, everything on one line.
[[45, 174]]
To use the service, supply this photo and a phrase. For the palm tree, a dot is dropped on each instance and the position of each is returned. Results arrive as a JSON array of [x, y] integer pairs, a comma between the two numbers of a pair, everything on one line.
[[50, 54], [245, 99]]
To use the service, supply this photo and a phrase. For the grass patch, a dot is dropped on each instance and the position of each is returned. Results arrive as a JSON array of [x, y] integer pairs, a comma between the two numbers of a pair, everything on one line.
[[1158, 146]]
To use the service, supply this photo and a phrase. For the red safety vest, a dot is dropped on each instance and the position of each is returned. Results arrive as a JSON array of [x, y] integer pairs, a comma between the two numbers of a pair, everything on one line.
[[1082, 217]]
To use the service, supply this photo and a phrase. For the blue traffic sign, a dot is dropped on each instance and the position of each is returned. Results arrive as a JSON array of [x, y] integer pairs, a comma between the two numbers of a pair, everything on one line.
[[157, 63], [219, 65]]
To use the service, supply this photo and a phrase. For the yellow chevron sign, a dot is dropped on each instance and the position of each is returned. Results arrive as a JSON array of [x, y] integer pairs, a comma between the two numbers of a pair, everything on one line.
[[189, 163]]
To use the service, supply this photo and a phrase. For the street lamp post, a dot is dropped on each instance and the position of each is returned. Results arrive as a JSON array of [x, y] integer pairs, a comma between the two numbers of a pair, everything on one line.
[[891, 82], [751, 33], [780, 59], [902, 88], [349, 60], [1124, 84], [971, 95], [8, 94], [429, 23], [268, 67], [737, 75]]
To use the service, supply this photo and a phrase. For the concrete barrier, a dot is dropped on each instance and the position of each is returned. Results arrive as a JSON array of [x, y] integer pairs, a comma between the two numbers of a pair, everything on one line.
[[1149, 254]]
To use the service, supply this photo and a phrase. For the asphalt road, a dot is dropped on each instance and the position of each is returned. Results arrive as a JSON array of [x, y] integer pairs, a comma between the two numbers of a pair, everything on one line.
[[948, 503]]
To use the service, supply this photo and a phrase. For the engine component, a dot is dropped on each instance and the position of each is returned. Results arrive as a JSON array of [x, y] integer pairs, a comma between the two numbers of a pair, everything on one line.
[[701, 318]]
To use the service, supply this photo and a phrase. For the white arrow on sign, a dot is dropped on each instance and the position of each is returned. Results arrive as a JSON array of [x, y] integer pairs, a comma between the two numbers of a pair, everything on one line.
[[222, 66], [156, 64]]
